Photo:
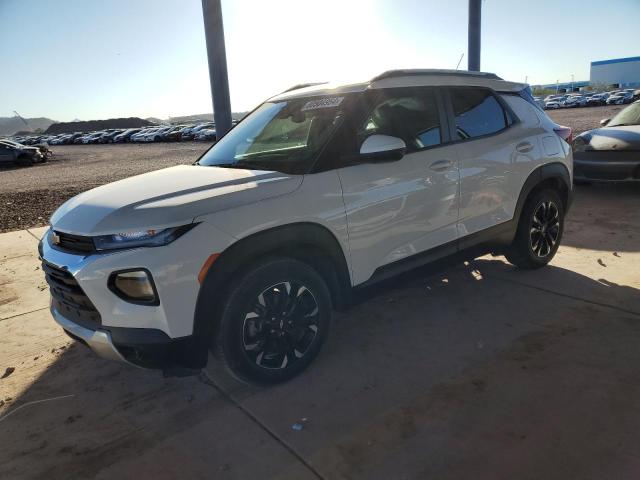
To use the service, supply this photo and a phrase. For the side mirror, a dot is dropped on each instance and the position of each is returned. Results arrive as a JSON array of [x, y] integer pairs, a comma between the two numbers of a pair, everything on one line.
[[605, 121], [381, 148]]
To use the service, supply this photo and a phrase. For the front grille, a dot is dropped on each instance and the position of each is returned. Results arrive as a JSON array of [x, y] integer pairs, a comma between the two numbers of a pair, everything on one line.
[[75, 243], [68, 298]]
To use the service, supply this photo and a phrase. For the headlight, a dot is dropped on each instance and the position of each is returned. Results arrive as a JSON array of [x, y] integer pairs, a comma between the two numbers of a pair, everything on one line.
[[141, 238], [579, 144]]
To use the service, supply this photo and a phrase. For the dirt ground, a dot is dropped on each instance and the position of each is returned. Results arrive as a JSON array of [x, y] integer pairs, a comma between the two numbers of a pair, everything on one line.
[[478, 371], [28, 196]]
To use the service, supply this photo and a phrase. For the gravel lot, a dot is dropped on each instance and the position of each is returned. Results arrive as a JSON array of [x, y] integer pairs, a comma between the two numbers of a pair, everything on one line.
[[581, 119], [29, 196]]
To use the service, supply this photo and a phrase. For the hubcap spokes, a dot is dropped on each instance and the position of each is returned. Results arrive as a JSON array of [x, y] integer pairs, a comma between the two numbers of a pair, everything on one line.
[[545, 228], [281, 325]]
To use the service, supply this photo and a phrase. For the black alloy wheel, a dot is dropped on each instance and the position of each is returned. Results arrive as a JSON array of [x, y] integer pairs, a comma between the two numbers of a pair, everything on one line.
[[280, 325], [545, 228]]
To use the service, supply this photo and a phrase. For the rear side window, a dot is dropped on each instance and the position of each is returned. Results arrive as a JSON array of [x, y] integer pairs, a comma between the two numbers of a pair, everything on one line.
[[477, 113], [411, 115]]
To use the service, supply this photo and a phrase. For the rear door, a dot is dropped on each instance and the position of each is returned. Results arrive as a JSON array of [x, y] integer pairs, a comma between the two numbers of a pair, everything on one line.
[[489, 150], [401, 208]]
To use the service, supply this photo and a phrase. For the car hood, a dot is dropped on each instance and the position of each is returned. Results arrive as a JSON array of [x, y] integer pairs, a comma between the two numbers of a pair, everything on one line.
[[166, 198], [613, 138]]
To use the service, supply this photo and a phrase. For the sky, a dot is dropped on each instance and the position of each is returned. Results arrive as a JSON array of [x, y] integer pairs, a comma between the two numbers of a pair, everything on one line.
[[90, 59]]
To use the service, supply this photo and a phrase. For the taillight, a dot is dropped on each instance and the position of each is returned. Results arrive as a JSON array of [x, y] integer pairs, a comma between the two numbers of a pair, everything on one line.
[[564, 133]]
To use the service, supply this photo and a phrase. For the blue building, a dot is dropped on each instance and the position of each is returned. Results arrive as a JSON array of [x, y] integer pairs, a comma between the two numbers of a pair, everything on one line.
[[619, 72]]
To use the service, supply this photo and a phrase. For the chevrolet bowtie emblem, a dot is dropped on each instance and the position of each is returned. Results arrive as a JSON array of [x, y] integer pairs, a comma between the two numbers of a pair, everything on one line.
[[55, 238]]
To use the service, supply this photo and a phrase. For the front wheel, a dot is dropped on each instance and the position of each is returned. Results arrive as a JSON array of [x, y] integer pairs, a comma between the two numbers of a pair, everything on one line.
[[539, 231], [275, 319]]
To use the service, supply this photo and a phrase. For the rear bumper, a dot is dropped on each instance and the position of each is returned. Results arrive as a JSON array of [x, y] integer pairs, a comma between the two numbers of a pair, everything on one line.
[[607, 166]]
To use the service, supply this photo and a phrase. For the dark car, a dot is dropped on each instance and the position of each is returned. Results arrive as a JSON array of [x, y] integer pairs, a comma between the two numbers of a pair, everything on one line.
[[175, 134], [597, 99], [126, 135], [20, 154], [610, 153], [110, 136]]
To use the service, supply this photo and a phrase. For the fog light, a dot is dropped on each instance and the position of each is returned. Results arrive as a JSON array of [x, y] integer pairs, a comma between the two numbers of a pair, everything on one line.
[[135, 286]]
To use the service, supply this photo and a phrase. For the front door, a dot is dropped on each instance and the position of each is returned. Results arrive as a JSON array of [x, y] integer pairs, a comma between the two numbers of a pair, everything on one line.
[[401, 208]]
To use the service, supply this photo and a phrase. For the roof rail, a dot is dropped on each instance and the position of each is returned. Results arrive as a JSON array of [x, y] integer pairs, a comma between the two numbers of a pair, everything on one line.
[[434, 71], [303, 85]]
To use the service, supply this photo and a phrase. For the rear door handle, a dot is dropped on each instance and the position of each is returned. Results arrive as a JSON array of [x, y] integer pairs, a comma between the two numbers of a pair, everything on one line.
[[524, 147], [440, 165]]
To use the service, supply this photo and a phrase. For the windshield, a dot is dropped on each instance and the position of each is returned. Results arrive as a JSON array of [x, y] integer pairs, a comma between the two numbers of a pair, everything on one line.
[[628, 116], [284, 136]]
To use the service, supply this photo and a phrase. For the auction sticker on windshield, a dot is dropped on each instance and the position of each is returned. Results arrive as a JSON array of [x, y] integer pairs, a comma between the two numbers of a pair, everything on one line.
[[322, 103]]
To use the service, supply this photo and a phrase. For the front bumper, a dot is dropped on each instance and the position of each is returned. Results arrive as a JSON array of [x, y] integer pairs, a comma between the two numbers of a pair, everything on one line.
[[607, 166], [97, 340], [141, 347]]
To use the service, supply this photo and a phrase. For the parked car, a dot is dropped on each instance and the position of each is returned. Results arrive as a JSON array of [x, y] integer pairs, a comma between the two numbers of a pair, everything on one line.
[[11, 151], [92, 138], [174, 134], [598, 99], [246, 252], [191, 133], [555, 103], [206, 134], [111, 135], [610, 153], [155, 135], [620, 98], [139, 136], [126, 135], [573, 101]]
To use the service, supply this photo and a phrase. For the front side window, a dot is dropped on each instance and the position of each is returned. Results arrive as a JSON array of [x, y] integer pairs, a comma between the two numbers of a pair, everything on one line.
[[284, 136], [411, 116], [477, 112]]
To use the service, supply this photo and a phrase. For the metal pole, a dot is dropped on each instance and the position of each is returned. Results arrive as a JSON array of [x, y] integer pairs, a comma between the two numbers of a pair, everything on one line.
[[475, 8], [217, 58]]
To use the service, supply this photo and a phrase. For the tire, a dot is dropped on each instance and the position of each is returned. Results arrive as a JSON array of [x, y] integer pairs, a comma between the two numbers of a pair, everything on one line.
[[544, 213], [259, 343]]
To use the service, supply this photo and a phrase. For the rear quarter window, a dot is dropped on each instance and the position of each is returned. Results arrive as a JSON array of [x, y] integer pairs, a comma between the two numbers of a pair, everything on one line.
[[523, 109]]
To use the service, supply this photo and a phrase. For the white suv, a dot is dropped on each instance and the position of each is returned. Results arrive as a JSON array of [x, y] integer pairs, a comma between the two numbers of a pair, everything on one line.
[[320, 190]]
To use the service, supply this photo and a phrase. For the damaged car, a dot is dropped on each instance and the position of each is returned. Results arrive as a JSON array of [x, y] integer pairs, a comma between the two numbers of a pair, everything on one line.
[[21, 154]]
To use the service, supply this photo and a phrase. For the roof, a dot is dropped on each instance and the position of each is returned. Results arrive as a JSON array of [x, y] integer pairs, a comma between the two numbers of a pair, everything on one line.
[[405, 78], [615, 60]]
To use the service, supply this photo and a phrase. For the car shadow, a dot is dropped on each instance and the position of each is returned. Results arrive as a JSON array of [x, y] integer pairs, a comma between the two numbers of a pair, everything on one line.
[[402, 338]]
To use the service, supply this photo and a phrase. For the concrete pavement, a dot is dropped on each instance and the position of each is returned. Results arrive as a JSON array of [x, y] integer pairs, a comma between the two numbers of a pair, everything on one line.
[[479, 371]]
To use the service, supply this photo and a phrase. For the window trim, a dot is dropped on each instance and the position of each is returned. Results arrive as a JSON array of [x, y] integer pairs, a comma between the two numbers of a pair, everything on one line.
[[445, 134], [507, 112]]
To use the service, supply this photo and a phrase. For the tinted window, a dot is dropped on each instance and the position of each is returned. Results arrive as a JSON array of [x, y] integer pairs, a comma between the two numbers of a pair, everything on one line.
[[411, 116], [477, 112]]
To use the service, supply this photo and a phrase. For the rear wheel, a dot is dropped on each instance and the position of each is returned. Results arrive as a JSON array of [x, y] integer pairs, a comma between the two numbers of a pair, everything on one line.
[[539, 231], [274, 321]]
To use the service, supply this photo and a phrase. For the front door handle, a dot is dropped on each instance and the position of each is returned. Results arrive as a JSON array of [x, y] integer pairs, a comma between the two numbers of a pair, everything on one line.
[[524, 147], [440, 165]]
